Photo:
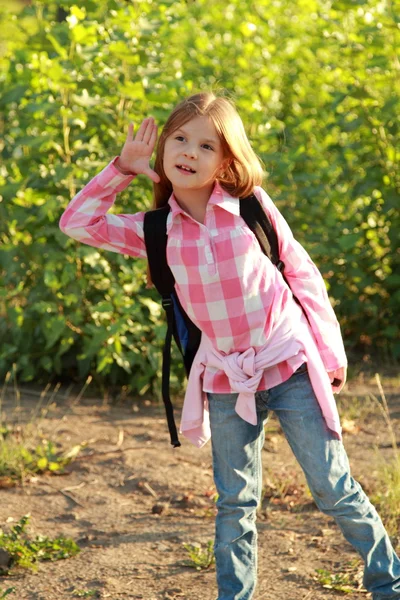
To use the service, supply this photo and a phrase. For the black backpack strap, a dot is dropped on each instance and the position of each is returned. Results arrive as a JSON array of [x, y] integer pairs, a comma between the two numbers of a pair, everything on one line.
[[257, 219], [155, 237]]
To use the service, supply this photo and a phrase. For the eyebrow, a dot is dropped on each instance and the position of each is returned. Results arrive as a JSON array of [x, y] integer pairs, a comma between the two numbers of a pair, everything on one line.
[[211, 140]]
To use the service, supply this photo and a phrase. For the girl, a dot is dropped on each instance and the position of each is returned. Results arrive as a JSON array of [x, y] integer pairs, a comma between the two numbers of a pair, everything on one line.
[[260, 351]]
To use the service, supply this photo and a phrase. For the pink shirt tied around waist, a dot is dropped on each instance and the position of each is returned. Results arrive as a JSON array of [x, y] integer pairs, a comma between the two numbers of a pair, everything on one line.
[[245, 370]]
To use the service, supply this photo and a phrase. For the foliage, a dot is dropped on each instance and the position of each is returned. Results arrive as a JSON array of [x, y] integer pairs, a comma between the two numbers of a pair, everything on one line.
[[387, 489], [86, 594], [347, 580], [6, 592], [20, 458], [25, 552], [317, 85], [387, 495], [200, 557]]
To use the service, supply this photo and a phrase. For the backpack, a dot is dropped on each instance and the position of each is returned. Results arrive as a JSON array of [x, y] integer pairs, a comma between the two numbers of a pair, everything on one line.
[[187, 336]]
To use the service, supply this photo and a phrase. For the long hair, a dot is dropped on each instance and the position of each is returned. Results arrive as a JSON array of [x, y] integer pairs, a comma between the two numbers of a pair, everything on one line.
[[244, 170]]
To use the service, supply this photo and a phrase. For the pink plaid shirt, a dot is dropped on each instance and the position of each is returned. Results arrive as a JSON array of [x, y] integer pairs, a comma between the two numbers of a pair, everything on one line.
[[225, 283]]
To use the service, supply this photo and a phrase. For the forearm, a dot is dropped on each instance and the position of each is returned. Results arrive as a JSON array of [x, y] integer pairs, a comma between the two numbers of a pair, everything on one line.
[[86, 220]]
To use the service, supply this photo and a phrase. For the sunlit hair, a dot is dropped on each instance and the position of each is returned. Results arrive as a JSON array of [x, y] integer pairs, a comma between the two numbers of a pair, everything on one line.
[[244, 170]]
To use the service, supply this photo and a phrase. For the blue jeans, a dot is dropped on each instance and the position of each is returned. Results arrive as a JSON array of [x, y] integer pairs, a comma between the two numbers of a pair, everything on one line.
[[236, 449]]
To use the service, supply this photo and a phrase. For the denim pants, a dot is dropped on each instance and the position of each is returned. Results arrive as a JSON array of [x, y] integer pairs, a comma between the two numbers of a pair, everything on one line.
[[236, 450]]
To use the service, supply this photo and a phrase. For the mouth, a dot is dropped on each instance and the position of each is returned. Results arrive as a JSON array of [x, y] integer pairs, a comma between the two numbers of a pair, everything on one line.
[[185, 169]]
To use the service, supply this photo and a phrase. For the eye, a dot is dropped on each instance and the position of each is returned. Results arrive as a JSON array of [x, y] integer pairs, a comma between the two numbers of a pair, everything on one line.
[[179, 137], [208, 146]]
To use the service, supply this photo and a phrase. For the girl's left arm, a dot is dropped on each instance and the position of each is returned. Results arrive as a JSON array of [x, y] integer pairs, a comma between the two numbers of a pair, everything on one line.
[[308, 286]]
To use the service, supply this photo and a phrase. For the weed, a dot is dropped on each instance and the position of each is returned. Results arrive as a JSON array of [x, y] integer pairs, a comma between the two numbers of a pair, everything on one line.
[[18, 459], [22, 451], [200, 557], [86, 594], [348, 580], [356, 408], [25, 552], [6, 592], [387, 495]]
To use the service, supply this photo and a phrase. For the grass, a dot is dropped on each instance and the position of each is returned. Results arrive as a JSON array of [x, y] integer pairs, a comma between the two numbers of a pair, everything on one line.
[[26, 552], [200, 557], [7, 592], [387, 494], [346, 580], [19, 458], [356, 408], [24, 451]]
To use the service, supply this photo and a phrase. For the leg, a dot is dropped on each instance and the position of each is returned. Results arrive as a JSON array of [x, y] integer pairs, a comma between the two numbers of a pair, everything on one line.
[[236, 451], [325, 464]]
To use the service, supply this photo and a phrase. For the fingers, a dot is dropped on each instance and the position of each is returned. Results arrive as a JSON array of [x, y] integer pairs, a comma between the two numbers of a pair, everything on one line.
[[146, 130], [129, 136], [153, 137]]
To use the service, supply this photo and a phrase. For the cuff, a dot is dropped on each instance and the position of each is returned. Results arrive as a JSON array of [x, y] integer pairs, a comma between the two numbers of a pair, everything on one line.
[[333, 360], [129, 176]]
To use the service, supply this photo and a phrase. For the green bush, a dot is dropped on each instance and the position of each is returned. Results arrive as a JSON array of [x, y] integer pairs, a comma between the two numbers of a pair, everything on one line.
[[317, 86]]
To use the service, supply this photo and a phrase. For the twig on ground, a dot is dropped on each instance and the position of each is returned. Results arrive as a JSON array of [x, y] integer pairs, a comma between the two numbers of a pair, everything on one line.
[[120, 438], [117, 450], [148, 487], [71, 498], [385, 411], [74, 487]]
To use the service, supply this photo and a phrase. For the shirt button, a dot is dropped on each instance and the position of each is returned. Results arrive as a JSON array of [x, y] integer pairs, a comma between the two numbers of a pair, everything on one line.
[[209, 256]]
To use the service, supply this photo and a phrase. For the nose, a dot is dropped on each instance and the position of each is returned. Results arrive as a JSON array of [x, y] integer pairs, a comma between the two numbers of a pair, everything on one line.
[[190, 152]]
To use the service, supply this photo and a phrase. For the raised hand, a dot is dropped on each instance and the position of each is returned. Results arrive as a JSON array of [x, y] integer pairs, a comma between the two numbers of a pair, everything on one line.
[[136, 152]]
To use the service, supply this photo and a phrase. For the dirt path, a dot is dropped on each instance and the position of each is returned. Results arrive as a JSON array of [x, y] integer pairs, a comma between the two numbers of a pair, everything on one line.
[[131, 502]]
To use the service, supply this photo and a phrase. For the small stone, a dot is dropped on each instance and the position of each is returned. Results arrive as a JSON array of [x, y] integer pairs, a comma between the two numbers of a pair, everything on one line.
[[5, 560], [159, 508]]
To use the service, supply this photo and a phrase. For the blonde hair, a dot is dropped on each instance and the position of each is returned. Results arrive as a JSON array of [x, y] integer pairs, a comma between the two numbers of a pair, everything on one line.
[[244, 169]]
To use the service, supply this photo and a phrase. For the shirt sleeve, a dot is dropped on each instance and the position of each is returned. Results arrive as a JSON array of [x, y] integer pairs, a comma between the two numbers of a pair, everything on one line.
[[86, 220], [308, 287]]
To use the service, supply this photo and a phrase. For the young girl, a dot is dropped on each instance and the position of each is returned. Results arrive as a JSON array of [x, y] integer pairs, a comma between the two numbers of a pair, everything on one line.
[[260, 351]]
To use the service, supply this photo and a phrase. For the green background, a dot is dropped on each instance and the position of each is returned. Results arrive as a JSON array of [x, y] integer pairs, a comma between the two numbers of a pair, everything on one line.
[[317, 85]]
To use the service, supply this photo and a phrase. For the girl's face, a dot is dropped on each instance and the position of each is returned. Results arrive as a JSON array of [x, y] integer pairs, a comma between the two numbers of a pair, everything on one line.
[[193, 156]]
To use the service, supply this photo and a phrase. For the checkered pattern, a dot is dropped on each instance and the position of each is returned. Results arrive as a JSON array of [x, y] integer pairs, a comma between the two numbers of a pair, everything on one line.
[[228, 287]]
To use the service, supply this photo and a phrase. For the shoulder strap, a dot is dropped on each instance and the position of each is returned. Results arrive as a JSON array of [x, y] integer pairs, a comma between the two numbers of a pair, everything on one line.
[[155, 234], [257, 219], [155, 237], [259, 222]]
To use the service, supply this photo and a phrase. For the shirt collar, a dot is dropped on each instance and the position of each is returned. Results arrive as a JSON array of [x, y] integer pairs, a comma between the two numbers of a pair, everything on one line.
[[219, 197]]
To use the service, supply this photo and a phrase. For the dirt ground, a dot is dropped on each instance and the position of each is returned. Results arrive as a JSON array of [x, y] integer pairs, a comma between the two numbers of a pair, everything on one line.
[[131, 501]]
